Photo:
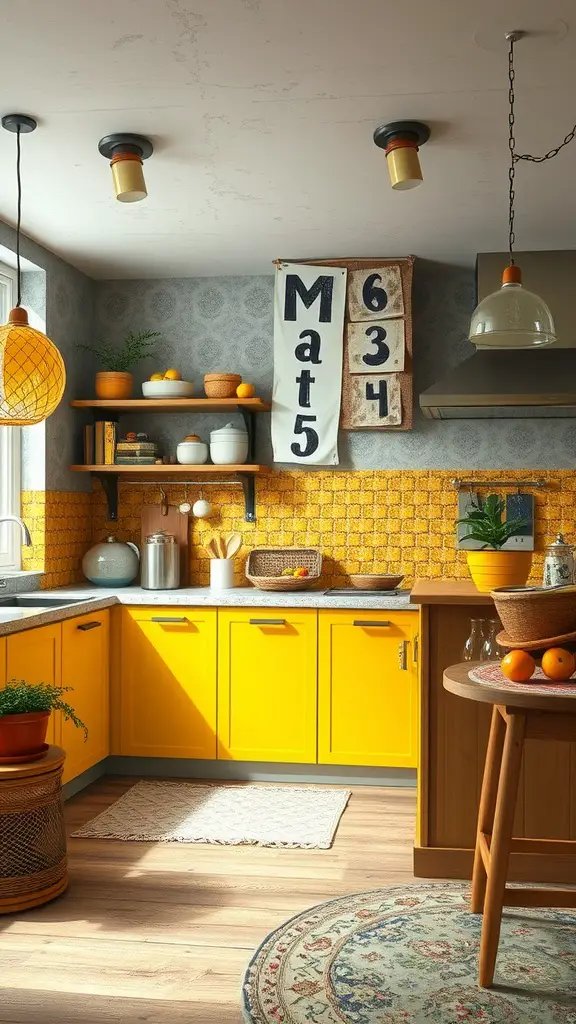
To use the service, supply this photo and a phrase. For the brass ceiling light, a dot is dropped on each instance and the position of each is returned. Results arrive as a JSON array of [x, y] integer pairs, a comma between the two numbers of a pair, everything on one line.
[[32, 372], [126, 153], [401, 140]]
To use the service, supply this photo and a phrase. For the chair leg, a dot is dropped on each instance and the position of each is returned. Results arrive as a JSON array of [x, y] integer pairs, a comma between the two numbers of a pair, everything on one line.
[[487, 805], [500, 846]]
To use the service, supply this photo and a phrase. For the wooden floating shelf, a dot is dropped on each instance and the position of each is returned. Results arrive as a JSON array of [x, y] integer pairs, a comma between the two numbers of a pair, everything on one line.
[[173, 404], [175, 470]]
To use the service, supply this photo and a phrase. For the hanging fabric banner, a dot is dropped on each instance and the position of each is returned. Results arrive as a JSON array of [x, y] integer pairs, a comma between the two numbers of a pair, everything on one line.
[[309, 305]]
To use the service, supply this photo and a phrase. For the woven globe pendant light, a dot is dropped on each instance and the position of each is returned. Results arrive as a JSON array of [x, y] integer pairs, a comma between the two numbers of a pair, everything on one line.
[[32, 371]]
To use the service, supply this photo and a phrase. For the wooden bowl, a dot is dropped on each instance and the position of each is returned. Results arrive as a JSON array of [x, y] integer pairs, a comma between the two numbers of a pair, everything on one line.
[[536, 613], [370, 581]]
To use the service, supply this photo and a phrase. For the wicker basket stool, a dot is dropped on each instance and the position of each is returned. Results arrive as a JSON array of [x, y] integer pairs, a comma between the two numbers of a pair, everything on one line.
[[33, 866]]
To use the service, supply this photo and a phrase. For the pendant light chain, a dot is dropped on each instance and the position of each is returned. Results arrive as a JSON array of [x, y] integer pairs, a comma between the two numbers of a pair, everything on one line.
[[511, 147], [18, 217]]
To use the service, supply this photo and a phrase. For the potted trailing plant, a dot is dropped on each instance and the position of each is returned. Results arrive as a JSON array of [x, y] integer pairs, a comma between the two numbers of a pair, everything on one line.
[[114, 380], [24, 712], [490, 566]]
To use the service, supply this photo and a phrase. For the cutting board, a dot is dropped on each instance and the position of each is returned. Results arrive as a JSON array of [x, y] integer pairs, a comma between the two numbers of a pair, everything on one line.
[[152, 520]]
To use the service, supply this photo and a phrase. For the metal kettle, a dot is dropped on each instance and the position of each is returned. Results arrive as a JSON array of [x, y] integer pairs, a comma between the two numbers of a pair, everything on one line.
[[160, 562]]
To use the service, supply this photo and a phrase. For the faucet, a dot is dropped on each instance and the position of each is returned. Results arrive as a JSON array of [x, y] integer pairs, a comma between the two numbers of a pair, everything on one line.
[[26, 538]]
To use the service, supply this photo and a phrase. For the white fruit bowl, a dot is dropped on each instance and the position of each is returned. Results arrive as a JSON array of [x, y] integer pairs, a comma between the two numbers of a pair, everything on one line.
[[167, 389]]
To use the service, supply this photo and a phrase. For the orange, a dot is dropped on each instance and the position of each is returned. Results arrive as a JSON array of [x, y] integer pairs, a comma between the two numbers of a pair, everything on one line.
[[157, 376], [245, 391], [558, 664], [172, 375], [302, 571], [518, 666]]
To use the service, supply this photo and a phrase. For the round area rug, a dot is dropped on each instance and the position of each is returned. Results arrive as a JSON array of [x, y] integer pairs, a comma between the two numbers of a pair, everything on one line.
[[408, 956]]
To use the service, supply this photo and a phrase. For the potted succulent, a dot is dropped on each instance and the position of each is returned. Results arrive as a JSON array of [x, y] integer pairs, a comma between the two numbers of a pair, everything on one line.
[[115, 378], [24, 712], [490, 566]]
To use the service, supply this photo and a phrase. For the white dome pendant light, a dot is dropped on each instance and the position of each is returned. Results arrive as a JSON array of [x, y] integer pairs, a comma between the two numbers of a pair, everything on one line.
[[513, 317]]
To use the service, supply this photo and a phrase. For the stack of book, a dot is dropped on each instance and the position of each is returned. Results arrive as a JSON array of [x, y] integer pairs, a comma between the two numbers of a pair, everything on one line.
[[100, 443], [136, 453]]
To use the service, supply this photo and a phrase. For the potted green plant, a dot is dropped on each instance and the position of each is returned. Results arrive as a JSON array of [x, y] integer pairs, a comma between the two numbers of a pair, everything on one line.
[[490, 566], [24, 712], [114, 380]]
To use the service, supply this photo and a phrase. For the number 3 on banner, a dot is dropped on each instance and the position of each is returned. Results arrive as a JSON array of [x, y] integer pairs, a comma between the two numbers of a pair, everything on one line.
[[311, 435]]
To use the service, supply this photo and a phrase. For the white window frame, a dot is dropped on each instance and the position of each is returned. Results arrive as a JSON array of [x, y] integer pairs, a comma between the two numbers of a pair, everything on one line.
[[10, 442]]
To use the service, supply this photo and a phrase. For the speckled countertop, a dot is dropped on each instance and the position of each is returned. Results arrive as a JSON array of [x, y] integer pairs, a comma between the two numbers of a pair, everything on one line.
[[90, 598]]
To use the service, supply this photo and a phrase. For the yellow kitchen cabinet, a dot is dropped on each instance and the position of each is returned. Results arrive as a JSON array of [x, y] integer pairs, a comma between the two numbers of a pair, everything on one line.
[[85, 657], [2, 661], [35, 655], [267, 684], [368, 688], [167, 705]]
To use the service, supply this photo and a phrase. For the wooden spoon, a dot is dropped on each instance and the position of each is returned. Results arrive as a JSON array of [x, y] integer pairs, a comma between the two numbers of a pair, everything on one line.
[[212, 548], [222, 545], [233, 544]]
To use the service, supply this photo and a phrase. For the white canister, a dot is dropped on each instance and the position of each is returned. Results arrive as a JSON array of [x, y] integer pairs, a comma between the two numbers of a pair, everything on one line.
[[559, 564], [221, 573], [228, 446]]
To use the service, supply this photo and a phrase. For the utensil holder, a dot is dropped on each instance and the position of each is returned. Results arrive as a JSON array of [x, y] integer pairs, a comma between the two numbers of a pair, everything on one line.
[[221, 573]]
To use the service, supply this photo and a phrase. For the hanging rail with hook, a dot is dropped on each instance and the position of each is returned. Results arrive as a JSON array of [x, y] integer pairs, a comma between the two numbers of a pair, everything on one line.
[[459, 484]]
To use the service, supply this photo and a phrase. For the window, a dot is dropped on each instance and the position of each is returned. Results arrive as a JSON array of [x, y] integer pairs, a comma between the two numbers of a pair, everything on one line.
[[10, 536]]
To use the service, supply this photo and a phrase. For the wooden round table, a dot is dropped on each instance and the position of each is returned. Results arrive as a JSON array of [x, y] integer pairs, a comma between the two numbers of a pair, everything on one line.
[[534, 710], [33, 865]]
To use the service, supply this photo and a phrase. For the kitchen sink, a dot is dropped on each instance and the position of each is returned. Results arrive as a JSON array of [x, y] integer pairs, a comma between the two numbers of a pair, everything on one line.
[[36, 601]]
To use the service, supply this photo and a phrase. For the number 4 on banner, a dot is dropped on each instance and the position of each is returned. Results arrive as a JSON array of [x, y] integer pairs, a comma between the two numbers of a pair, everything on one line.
[[375, 401], [375, 294]]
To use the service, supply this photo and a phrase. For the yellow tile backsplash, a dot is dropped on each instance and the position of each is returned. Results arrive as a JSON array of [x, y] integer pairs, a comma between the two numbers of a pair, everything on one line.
[[364, 521]]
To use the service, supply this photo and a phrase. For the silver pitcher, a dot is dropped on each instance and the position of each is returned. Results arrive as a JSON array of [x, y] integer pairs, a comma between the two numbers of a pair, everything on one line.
[[160, 562], [559, 568]]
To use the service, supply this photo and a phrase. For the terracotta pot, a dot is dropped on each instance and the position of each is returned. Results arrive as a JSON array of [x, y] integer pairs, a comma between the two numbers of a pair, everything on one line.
[[110, 384], [23, 734], [491, 569]]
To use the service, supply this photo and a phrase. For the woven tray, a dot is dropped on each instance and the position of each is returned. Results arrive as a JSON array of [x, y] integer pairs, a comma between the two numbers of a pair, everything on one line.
[[265, 566]]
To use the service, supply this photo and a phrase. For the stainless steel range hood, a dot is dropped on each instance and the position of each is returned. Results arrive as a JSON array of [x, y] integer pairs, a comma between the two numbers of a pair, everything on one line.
[[527, 382]]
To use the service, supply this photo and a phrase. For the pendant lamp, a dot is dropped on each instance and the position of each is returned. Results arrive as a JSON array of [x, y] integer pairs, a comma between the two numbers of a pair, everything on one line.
[[32, 372], [513, 317]]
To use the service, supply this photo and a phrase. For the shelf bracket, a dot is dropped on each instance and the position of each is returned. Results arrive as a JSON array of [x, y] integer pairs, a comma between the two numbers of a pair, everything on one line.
[[250, 424], [249, 488], [109, 483]]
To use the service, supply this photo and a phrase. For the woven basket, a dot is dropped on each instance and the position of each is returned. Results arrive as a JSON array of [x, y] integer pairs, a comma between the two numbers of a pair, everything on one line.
[[371, 581], [536, 614], [265, 566], [221, 385]]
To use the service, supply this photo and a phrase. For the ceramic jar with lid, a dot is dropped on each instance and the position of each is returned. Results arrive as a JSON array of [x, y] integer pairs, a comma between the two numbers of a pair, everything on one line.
[[559, 567], [111, 563], [192, 451], [228, 446]]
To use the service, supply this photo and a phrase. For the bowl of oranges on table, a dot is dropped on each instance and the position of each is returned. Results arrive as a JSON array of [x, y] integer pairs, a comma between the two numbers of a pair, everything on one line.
[[167, 384]]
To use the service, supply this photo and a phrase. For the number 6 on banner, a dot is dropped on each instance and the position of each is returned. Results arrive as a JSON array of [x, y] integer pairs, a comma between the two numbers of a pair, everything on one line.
[[375, 294]]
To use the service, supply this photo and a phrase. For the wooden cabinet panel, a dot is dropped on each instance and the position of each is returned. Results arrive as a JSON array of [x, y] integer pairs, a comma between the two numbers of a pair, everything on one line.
[[267, 684], [85, 657], [35, 655], [2, 660], [368, 688], [168, 682]]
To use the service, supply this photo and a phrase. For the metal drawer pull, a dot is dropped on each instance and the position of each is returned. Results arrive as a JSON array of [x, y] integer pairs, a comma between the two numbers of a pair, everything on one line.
[[89, 625], [403, 655], [267, 622], [370, 622], [169, 618]]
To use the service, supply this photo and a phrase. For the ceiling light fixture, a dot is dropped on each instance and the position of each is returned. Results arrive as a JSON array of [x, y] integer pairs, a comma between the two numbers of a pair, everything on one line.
[[513, 317], [126, 153], [401, 140], [32, 372]]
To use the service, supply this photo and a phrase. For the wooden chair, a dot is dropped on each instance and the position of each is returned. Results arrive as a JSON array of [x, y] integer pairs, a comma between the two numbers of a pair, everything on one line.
[[521, 711]]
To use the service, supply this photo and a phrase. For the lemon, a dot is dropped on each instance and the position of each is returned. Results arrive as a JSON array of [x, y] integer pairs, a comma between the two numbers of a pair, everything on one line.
[[245, 390], [172, 375], [157, 376]]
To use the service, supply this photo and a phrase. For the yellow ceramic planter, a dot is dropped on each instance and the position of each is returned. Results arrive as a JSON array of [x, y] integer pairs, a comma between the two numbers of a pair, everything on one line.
[[490, 569], [111, 384]]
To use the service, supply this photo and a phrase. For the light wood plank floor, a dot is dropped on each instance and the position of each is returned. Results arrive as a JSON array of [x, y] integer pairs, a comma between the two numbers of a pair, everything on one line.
[[163, 933]]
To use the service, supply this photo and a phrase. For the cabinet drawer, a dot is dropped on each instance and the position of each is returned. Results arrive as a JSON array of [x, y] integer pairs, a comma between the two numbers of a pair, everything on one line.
[[267, 684], [368, 688]]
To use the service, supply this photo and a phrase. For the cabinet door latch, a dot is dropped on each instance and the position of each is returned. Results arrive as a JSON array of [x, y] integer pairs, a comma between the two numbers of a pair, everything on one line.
[[403, 655]]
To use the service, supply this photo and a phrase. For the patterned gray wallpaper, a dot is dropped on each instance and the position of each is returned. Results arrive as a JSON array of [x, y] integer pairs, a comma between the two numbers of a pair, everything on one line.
[[225, 323], [69, 311]]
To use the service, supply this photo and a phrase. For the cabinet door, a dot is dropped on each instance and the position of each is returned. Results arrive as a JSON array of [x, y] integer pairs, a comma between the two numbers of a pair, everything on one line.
[[368, 688], [267, 684], [2, 661], [35, 655], [168, 682], [85, 653]]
